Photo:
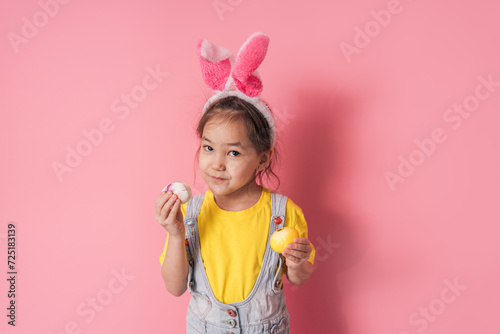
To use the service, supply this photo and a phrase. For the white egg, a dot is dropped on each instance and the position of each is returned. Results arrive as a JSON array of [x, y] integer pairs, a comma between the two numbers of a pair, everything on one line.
[[182, 191]]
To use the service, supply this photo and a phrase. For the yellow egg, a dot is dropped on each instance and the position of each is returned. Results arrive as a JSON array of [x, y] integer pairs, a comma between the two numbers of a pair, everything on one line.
[[283, 237]]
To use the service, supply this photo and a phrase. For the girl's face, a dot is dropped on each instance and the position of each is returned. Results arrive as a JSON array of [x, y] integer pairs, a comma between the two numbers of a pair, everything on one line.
[[228, 160]]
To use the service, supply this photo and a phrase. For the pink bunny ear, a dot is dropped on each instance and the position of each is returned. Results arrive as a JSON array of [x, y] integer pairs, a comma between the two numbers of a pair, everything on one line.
[[215, 64], [250, 56]]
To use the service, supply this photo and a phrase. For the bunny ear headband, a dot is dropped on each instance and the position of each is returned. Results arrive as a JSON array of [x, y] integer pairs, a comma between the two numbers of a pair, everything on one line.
[[229, 77]]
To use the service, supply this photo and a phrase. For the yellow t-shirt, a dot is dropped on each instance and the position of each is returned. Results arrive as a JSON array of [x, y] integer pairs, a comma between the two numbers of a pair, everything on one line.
[[233, 243]]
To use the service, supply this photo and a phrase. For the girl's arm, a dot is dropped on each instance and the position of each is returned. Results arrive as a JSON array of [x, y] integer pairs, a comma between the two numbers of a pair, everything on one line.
[[175, 266], [300, 275], [298, 268]]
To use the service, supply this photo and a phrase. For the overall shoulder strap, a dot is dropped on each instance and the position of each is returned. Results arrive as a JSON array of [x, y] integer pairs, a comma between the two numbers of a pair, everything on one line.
[[190, 223], [193, 207], [278, 209]]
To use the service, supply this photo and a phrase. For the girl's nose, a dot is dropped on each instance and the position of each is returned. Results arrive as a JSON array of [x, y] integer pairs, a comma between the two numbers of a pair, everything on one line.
[[218, 163]]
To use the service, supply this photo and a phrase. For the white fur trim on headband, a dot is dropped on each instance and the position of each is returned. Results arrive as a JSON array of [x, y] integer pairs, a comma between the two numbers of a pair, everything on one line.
[[255, 101]]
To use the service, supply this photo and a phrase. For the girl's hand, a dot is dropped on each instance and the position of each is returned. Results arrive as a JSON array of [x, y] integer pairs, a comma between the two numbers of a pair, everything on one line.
[[297, 252], [167, 213]]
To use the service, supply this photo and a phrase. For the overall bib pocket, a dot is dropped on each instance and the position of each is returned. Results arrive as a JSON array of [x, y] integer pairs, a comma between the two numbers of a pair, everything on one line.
[[200, 304], [281, 327]]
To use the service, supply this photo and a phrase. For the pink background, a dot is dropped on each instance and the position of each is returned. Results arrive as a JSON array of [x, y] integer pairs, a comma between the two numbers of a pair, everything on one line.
[[386, 254]]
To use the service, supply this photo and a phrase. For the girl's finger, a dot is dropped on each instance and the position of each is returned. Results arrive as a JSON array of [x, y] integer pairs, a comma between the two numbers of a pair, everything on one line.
[[180, 216], [300, 247], [168, 206], [291, 257], [162, 195], [173, 212], [298, 254], [160, 201], [303, 241]]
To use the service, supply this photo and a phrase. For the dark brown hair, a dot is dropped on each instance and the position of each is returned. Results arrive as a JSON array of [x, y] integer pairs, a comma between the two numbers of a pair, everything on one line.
[[234, 109]]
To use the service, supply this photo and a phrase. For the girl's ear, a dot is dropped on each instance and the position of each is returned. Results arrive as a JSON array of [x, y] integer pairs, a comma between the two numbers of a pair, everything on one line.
[[266, 157]]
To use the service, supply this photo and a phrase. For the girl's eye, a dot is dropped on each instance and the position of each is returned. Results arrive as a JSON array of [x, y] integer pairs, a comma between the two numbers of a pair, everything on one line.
[[234, 153], [208, 148]]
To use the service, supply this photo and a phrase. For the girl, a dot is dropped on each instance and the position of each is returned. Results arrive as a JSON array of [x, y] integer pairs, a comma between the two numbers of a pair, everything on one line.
[[217, 245]]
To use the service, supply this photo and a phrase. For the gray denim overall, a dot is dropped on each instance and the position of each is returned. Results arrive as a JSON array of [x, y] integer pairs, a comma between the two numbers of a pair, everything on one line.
[[263, 311]]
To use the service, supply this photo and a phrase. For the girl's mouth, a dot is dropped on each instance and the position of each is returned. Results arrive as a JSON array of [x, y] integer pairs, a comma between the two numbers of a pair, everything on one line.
[[217, 179]]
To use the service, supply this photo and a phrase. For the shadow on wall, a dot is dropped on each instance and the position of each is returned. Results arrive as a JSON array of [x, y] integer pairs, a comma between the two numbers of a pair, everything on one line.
[[314, 150]]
